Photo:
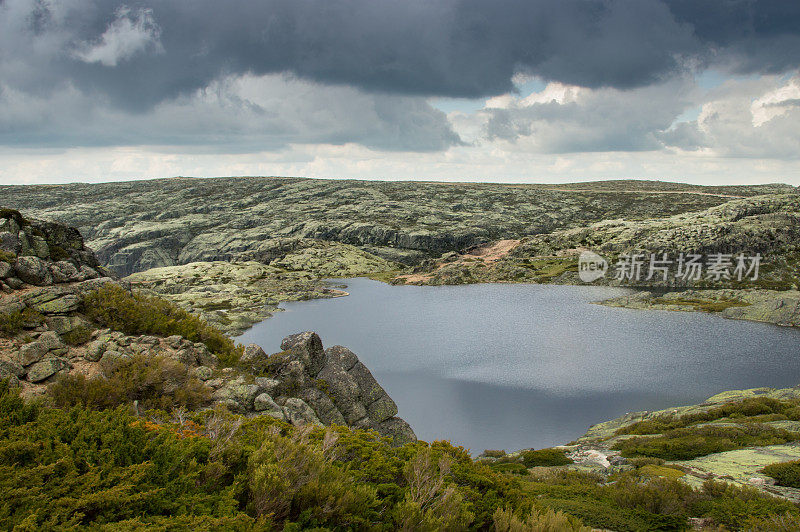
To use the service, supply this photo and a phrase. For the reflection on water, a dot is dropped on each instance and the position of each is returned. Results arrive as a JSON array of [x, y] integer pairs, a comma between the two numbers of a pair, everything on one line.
[[514, 366]]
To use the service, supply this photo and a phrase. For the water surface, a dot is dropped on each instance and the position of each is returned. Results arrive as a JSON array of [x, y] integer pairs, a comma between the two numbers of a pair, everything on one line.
[[510, 366]]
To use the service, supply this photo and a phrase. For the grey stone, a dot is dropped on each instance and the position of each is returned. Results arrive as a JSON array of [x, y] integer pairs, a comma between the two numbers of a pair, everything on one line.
[[297, 412], [174, 341], [253, 353], [9, 305], [242, 394], [5, 269], [9, 242], [370, 389], [65, 324], [50, 340], [344, 392], [267, 385], [263, 402], [33, 270], [308, 347], [340, 356], [322, 405], [46, 368], [203, 373], [88, 272], [40, 247], [64, 272], [149, 340], [9, 368], [112, 356], [95, 350], [31, 353], [398, 430], [382, 409], [14, 283]]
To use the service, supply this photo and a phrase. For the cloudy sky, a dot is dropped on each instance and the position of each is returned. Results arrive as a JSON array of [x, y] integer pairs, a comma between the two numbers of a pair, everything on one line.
[[491, 90]]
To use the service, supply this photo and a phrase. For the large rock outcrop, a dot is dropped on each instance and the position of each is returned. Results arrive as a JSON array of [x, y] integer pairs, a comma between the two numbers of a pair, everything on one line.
[[311, 384], [42, 253]]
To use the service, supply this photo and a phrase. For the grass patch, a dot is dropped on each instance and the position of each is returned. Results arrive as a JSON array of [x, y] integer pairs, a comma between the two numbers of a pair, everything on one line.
[[135, 313], [7, 256]]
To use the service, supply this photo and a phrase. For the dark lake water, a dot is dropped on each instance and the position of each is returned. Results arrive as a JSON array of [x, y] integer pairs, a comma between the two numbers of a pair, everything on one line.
[[502, 366]]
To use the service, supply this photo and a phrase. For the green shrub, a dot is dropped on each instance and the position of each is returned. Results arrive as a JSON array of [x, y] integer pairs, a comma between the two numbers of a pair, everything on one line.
[[7, 256], [12, 323], [77, 336], [492, 453], [785, 473], [135, 313], [545, 457], [509, 467], [691, 442], [751, 409], [155, 382]]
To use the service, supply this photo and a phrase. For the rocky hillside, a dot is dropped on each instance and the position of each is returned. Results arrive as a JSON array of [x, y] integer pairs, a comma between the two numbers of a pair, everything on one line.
[[64, 326], [139, 225], [769, 225]]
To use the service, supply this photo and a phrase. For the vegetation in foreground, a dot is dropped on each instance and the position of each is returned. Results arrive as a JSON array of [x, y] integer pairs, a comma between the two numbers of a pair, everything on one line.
[[135, 313], [78, 464]]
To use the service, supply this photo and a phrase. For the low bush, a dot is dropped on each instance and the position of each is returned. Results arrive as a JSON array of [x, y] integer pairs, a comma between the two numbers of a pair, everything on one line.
[[135, 313], [545, 457], [751, 409], [509, 467], [155, 382], [691, 442], [785, 473], [77, 336], [13, 323], [7, 256]]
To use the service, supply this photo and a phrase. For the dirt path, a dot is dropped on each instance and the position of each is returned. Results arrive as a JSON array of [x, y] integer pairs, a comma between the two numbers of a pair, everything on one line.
[[488, 254]]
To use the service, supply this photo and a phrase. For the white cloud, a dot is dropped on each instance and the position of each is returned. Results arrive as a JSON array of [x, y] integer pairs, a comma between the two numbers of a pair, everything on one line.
[[131, 32]]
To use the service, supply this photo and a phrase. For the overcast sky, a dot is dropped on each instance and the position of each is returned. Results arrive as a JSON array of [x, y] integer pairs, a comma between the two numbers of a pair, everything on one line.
[[475, 90]]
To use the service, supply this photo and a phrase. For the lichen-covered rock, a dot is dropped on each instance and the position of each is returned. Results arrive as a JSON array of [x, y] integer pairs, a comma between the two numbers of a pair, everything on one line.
[[264, 404], [5, 269], [31, 352], [252, 353], [65, 272], [243, 395], [50, 340], [382, 409], [297, 412], [371, 391], [95, 350], [398, 430], [9, 368], [344, 392], [340, 356], [322, 405], [203, 373], [267, 385], [308, 347], [46, 369], [33, 270]]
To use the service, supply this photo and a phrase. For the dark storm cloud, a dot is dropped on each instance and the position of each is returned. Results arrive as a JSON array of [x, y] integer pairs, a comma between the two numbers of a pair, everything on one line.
[[461, 48]]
